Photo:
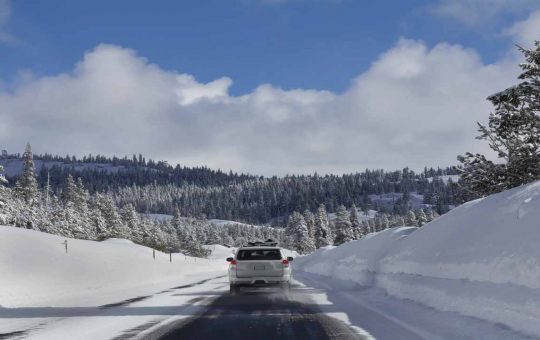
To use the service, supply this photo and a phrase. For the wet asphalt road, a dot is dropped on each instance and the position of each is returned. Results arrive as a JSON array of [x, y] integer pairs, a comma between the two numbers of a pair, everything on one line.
[[260, 314]]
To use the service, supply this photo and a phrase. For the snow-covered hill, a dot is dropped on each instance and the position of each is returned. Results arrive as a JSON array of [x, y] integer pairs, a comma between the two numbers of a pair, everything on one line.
[[36, 271], [482, 260]]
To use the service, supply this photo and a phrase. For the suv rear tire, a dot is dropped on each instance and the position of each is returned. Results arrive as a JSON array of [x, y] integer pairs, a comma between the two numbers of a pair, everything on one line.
[[234, 289]]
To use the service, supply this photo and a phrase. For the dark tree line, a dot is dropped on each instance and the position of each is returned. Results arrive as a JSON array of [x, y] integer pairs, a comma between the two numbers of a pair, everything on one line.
[[264, 200]]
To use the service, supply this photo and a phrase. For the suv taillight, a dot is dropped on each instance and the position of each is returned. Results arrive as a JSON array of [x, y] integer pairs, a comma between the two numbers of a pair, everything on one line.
[[285, 263], [233, 263]]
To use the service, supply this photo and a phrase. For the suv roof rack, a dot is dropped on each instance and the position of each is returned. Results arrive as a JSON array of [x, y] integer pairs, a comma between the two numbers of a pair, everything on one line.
[[267, 243]]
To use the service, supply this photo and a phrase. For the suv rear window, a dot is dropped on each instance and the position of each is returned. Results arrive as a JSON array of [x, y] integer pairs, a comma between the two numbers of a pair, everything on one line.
[[258, 254]]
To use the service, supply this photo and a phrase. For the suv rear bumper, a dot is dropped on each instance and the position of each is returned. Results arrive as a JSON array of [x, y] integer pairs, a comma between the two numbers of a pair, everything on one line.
[[259, 280]]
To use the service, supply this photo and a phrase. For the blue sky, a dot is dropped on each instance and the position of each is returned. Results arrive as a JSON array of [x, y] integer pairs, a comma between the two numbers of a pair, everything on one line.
[[260, 86], [319, 44]]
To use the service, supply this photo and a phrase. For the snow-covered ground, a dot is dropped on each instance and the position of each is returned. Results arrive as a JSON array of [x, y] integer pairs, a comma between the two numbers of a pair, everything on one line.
[[36, 271], [43, 287], [219, 222], [99, 290], [480, 261]]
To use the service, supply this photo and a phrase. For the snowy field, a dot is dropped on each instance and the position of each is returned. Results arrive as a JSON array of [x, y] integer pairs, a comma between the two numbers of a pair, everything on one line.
[[39, 281], [480, 260], [36, 270]]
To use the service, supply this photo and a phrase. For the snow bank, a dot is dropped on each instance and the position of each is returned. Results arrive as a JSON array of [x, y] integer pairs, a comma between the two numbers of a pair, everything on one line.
[[36, 271], [481, 260]]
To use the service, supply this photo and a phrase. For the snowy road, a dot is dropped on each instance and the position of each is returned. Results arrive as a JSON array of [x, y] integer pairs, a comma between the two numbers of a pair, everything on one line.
[[200, 307], [265, 313]]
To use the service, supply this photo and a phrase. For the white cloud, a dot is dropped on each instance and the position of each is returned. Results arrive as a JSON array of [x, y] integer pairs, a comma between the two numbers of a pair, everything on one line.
[[527, 31], [479, 12], [191, 92], [415, 106]]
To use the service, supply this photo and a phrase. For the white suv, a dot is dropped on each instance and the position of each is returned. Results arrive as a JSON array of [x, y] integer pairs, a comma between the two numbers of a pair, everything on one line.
[[259, 264]]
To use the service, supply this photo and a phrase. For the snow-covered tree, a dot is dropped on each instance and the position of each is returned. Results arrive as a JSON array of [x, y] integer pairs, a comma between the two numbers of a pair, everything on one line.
[[132, 221], [421, 218], [70, 190], [322, 233], [98, 224], [213, 236], [513, 132], [115, 225], [385, 222], [310, 222], [343, 229], [4, 199], [27, 187], [298, 233], [365, 228], [355, 223], [411, 219], [81, 196]]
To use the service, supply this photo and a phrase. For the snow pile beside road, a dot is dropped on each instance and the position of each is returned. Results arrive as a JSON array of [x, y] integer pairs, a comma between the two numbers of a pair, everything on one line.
[[36, 271], [481, 260]]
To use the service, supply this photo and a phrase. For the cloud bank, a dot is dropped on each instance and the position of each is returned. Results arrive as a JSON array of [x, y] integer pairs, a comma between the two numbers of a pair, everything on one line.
[[480, 12], [416, 105]]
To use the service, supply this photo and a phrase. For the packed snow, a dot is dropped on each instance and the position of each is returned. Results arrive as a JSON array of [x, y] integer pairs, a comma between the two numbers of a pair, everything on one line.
[[480, 260]]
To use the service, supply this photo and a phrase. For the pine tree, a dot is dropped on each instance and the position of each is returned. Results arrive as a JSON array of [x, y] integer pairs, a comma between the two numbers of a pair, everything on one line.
[[365, 228], [4, 199], [343, 227], [99, 224], [421, 217], [355, 223], [411, 219], [81, 196], [70, 190], [27, 187], [310, 222], [115, 226], [132, 221], [299, 235], [213, 236], [513, 132], [385, 222], [321, 233]]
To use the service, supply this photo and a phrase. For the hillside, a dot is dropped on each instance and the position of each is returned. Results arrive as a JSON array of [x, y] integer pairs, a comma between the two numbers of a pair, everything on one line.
[[104, 174], [479, 260], [159, 188], [41, 273]]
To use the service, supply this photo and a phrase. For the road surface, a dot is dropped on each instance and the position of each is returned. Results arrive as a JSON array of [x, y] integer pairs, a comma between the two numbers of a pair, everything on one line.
[[201, 308], [260, 314]]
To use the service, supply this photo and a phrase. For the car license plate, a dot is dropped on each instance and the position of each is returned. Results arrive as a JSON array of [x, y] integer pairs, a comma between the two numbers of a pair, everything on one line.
[[259, 267]]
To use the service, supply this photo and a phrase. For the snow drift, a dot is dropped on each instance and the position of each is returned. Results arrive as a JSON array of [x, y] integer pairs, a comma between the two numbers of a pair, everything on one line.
[[36, 271], [481, 260]]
